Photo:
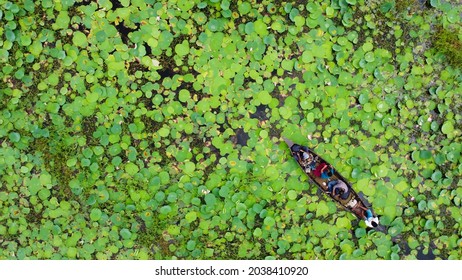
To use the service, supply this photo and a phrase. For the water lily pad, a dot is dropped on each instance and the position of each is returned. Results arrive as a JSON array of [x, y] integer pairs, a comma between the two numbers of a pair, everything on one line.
[[322, 209], [425, 154], [79, 39], [261, 28], [95, 214], [367, 47], [14, 137], [244, 8], [369, 57], [453, 16], [4, 54], [36, 48], [343, 222], [386, 6], [447, 128], [381, 170], [269, 221], [437, 175], [34, 186], [210, 199], [402, 186], [166, 209], [435, 3], [182, 49], [264, 97], [125, 233], [341, 104], [103, 196], [62, 20], [292, 194], [453, 156], [191, 217], [137, 108], [189, 167], [422, 205], [131, 168]]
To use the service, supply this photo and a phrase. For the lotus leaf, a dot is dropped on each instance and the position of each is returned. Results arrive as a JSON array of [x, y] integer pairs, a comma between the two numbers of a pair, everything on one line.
[[322, 209], [269, 222], [95, 214], [189, 167], [447, 128], [436, 176], [182, 49], [125, 233], [165, 209], [422, 205], [191, 217], [14, 137], [103, 196], [264, 97], [261, 28], [343, 222], [62, 20], [79, 39], [292, 194], [381, 170]]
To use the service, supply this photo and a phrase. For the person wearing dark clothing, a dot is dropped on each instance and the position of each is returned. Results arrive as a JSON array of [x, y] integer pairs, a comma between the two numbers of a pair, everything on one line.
[[339, 188], [301, 154]]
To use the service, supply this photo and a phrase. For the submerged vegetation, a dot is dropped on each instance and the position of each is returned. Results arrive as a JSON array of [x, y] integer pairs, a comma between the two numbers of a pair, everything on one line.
[[138, 129]]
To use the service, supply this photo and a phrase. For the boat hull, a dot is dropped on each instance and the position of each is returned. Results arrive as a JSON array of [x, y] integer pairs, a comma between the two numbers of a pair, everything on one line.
[[330, 181]]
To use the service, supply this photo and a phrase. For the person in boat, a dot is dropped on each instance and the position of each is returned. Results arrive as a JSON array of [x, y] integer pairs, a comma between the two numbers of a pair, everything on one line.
[[371, 221], [358, 209], [323, 170], [303, 156], [338, 188], [363, 213]]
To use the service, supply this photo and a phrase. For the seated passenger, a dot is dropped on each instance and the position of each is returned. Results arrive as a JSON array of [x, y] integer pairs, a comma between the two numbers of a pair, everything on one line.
[[331, 185], [357, 209], [365, 214], [323, 171], [302, 155], [338, 188], [296, 152], [368, 213], [312, 165], [371, 221]]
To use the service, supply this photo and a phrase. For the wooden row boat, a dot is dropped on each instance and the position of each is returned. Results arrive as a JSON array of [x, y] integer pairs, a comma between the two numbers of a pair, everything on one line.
[[329, 181]]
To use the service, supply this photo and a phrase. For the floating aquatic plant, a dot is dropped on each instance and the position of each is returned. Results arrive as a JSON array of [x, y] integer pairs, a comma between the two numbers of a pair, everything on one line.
[[163, 120]]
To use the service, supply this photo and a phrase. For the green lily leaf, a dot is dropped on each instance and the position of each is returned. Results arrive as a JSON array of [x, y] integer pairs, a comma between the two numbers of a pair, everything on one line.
[[131, 168]]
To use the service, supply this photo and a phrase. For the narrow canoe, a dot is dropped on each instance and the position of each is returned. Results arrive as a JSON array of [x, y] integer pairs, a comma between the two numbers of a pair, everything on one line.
[[332, 183]]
